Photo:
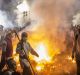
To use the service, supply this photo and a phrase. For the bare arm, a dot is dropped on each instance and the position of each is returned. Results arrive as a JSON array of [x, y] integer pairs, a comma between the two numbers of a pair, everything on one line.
[[33, 52]]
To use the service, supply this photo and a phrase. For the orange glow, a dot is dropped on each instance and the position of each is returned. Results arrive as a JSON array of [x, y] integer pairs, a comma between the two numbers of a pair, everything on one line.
[[70, 58], [38, 68], [41, 44], [42, 51]]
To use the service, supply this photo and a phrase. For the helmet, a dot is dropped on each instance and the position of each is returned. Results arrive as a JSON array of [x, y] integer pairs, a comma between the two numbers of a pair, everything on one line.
[[24, 34]]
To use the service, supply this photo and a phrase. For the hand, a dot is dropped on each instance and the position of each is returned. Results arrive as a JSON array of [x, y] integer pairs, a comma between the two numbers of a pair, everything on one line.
[[22, 53]]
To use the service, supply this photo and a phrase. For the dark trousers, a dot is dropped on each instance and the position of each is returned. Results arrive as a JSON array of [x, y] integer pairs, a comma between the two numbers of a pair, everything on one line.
[[78, 63], [26, 69]]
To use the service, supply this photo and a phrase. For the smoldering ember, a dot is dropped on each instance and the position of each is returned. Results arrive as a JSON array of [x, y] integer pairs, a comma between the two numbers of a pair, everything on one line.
[[52, 28]]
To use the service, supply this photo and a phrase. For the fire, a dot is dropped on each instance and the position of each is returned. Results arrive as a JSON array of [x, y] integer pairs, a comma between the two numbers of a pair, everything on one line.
[[42, 51], [70, 58], [23, 7], [38, 68], [16, 58], [43, 47]]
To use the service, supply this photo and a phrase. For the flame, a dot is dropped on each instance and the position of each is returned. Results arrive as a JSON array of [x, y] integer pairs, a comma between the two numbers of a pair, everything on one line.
[[23, 7], [38, 68], [70, 58], [42, 51], [43, 47]]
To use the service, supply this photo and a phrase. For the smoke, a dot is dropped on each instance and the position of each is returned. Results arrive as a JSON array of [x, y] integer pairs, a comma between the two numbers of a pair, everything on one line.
[[7, 13], [4, 20], [10, 15], [56, 17]]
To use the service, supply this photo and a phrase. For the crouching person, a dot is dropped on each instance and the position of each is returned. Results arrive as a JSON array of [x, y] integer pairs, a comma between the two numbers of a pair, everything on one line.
[[23, 49]]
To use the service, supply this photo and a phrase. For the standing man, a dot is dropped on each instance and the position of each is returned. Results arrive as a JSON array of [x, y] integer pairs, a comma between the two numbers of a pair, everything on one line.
[[2, 34], [23, 49], [7, 52], [76, 48]]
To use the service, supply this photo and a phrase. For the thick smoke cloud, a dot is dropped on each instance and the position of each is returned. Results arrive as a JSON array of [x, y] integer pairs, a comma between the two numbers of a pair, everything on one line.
[[4, 20], [7, 7], [57, 17], [54, 16]]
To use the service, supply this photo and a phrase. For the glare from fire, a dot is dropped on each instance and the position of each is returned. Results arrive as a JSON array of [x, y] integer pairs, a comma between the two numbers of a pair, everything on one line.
[[23, 7], [38, 68], [42, 51], [45, 48], [70, 58], [73, 61]]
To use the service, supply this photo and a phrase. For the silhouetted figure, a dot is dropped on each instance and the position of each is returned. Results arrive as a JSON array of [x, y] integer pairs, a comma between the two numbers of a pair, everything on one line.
[[23, 49], [76, 48]]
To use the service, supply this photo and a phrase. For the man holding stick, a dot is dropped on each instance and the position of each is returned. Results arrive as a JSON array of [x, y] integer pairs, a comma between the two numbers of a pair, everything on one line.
[[23, 49]]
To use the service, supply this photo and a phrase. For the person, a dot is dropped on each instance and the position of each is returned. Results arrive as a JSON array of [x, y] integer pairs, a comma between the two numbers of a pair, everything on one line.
[[76, 48], [23, 49], [2, 34], [7, 52]]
